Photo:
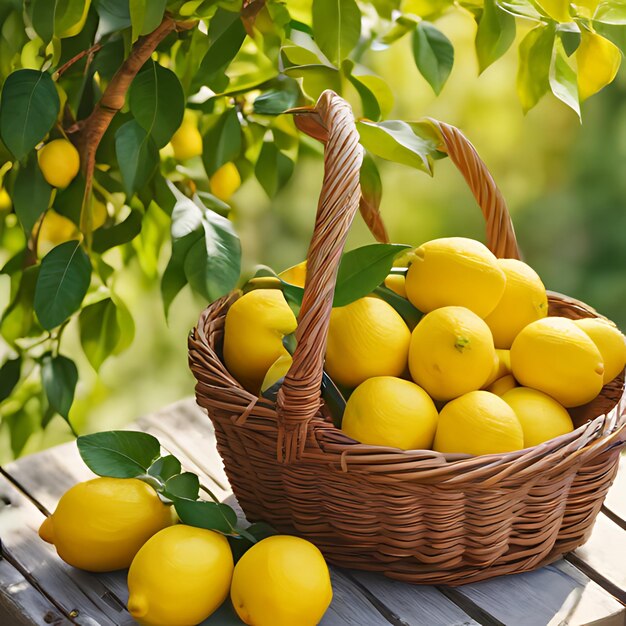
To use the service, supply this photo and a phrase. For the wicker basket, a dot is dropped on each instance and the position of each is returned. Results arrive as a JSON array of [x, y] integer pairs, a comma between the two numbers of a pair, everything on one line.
[[417, 515]]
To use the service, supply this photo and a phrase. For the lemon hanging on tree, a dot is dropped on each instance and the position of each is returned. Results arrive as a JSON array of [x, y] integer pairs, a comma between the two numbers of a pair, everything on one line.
[[59, 162]]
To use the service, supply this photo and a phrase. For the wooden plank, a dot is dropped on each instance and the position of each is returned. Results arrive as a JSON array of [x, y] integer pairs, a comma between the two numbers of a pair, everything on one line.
[[412, 604], [603, 557], [556, 595], [79, 594], [23, 605]]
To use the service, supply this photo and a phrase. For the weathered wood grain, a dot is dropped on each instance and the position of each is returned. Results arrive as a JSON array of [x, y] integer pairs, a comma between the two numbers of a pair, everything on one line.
[[22, 604], [80, 595], [555, 595]]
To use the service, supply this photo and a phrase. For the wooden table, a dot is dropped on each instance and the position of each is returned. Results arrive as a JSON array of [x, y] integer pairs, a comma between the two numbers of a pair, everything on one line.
[[36, 587]]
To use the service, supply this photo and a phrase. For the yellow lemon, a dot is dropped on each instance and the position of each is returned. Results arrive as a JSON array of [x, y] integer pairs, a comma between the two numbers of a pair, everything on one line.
[[59, 162], [366, 338], [54, 230], [502, 385], [397, 284], [295, 275], [5, 200], [100, 214], [99, 525], [253, 335], [455, 271], [225, 181], [478, 422], [388, 411], [281, 581], [542, 417], [524, 301], [611, 343], [598, 60], [179, 577], [187, 141], [557, 357], [277, 370], [501, 367], [451, 352]]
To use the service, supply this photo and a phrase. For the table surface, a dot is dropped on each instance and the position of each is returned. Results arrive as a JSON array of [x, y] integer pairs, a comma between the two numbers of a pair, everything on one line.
[[36, 587]]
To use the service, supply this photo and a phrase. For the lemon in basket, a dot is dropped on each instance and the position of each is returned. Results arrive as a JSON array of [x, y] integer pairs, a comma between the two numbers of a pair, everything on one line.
[[281, 581], [253, 335], [388, 411], [524, 300], [180, 576], [366, 338], [542, 417], [451, 352], [478, 422], [295, 275], [455, 271], [99, 525], [502, 385], [610, 341], [557, 357], [501, 367]]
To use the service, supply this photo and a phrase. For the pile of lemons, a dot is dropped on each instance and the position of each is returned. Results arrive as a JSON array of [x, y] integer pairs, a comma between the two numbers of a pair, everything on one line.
[[484, 371], [180, 574]]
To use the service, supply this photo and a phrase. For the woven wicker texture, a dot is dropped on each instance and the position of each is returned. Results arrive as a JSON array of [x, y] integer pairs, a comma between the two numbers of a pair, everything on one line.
[[418, 516]]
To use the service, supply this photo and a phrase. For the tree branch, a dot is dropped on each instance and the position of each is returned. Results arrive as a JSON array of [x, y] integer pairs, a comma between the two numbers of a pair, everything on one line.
[[93, 128], [77, 58]]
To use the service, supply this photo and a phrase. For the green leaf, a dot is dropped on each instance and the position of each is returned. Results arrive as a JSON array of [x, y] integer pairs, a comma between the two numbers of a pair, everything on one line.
[[31, 194], [157, 102], [114, 15], [106, 238], [273, 168], [145, 16], [42, 17], [363, 269], [18, 320], [9, 376], [611, 12], [371, 196], [62, 283], [376, 97], [99, 331], [185, 485], [59, 377], [118, 453], [563, 80], [70, 16], [227, 34], [535, 56], [126, 324], [275, 101], [434, 55], [316, 79], [495, 34], [209, 515], [411, 144], [165, 467], [336, 27], [174, 278], [28, 110], [137, 155], [569, 34], [223, 142]]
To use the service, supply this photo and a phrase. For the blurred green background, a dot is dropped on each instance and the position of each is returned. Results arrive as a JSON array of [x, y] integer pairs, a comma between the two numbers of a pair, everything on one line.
[[565, 185]]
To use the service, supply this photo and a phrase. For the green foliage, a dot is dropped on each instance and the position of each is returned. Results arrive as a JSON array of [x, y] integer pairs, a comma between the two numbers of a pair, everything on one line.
[[232, 69]]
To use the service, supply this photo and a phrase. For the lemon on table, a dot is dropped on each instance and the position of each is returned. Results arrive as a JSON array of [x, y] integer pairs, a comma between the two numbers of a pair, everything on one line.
[[478, 422], [557, 357], [179, 577], [455, 271], [524, 301], [187, 140], [295, 275], [542, 417], [281, 581], [502, 385], [388, 411], [59, 162], [502, 366], [451, 352], [253, 335], [611, 343], [99, 525], [366, 338], [225, 181]]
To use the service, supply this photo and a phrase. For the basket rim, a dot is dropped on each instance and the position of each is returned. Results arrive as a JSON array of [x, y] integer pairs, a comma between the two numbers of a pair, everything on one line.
[[602, 430]]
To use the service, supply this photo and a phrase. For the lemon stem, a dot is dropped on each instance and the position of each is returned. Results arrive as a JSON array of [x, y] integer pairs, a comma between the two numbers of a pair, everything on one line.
[[461, 343]]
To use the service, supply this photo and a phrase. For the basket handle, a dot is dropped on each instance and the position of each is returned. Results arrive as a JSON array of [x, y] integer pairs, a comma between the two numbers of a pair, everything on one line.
[[332, 122]]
